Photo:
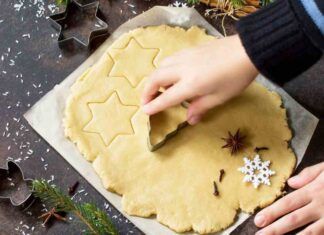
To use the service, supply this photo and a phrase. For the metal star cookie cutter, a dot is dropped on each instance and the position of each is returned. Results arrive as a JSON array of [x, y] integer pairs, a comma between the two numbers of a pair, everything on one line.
[[14, 186], [154, 146], [69, 26]]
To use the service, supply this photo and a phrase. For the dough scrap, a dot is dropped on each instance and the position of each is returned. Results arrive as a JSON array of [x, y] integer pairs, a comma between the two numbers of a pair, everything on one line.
[[175, 183]]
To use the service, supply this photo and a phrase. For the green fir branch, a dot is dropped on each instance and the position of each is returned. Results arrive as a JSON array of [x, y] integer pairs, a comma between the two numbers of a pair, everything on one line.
[[96, 220], [265, 2], [62, 2], [192, 2], [238, 3]]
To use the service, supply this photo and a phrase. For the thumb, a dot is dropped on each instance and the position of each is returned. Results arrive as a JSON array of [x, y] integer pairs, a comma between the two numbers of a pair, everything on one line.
[[306, 176], [199, 106]]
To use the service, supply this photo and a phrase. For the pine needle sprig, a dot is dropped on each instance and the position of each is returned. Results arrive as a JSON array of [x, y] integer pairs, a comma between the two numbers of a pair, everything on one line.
[[96, 220], [192, 2], [53, 196], [62, 2], [265, 2], [238, 3]]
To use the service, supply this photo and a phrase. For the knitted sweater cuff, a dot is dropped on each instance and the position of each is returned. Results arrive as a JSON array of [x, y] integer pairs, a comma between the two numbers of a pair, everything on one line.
[[276, 43]]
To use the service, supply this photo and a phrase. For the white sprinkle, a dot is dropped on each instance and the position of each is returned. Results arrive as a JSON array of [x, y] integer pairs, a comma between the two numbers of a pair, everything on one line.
[[18, 6], [52, 8], [25, 226], [18, 160], [26, 35]]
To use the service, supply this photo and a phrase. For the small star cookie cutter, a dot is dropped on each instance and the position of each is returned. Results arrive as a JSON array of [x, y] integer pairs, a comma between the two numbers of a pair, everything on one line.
[[74, 13], [14, 186]]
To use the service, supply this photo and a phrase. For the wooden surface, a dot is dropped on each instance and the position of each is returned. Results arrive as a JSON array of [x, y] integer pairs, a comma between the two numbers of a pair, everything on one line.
[[31, 63]]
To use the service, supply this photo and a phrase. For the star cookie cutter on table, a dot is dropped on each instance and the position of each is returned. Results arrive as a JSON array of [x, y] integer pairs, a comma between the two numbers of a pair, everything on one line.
[[74, 13], [14, 186]]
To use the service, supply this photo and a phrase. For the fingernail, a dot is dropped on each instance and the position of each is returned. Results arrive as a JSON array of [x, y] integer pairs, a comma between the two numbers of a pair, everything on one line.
[[293, 180], [259, 220], [194, 120]]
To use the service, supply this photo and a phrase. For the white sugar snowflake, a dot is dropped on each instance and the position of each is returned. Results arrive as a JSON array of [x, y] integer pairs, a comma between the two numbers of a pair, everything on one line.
[[256, 171]]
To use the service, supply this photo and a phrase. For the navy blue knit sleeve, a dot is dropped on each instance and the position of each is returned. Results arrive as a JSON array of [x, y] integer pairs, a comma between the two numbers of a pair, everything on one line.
[[285, 38]]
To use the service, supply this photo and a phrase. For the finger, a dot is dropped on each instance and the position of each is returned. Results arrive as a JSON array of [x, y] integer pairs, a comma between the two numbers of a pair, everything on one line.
[[290, 221], [306, 176], [315, 228], [172, 96], [170, 61], [292, 201], [199, 106], [159, 78]]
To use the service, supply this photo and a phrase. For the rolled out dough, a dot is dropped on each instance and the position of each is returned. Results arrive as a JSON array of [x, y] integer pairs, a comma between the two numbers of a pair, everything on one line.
[[175, 183]]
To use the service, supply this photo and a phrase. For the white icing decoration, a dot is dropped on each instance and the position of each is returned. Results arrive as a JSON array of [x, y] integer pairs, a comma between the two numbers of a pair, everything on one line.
[[256, 171]]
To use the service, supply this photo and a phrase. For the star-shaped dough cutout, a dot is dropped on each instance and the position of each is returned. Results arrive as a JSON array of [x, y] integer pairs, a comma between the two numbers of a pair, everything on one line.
[[111, 118], [133, 62]]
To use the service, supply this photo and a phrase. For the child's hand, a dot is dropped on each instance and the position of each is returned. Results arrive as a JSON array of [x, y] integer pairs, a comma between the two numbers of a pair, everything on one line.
[[301, 207], [208, 75]]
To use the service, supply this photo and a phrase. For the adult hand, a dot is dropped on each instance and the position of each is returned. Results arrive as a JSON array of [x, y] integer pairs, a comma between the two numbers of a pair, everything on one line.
[[301, 207]]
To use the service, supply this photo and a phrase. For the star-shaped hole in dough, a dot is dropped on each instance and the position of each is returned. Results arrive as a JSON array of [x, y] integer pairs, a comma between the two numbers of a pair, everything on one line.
[[111, 118], [133, 62]]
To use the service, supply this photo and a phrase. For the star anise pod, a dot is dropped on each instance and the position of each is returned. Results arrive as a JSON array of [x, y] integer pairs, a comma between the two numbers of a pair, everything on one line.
[[234, 142], [51, 213]]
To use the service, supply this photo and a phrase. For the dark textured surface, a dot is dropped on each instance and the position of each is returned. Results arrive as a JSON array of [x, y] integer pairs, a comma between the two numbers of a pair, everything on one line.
[[37, 65]]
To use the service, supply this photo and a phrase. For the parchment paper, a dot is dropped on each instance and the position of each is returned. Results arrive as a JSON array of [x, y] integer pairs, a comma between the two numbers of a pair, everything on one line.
[[47, 114]]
